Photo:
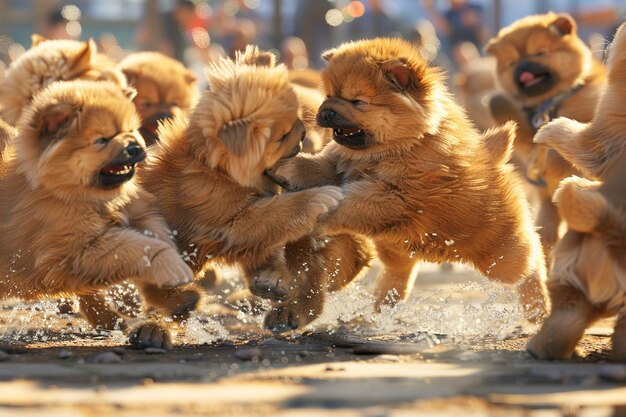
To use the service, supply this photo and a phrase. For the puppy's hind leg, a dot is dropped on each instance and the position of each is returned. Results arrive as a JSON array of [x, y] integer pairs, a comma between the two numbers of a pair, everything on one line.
[[397, 279], [571, 314]]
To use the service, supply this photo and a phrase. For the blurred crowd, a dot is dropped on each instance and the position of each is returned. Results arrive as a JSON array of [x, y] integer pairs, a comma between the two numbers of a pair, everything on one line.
[[451, 33]]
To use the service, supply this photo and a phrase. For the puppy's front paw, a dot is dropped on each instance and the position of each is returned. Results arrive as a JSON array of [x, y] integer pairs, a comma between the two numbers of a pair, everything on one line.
[[168, 270], [271, 284], [292, 314], [558, 131], [324, 200], [281, 172], [150, 334]]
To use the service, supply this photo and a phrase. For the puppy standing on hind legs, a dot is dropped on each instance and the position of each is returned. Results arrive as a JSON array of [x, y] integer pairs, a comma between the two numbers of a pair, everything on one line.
[[588, 279], [417, 178]]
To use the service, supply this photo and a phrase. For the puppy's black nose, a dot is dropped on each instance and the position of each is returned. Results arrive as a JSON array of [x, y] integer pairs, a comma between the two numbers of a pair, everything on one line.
[[135, 152], [326, 115]]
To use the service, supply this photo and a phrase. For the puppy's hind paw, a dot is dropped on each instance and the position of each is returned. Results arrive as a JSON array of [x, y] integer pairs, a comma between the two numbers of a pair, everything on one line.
[[150, 334]]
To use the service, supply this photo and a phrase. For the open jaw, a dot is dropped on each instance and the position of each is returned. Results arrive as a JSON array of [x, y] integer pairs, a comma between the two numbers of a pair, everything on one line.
[[113, 176], [534, 79], [351, 137]]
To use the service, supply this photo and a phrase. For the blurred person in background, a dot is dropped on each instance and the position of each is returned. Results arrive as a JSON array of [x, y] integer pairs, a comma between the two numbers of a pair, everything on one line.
[[310, 25], [375, 22], [461, 23], [57, 26]]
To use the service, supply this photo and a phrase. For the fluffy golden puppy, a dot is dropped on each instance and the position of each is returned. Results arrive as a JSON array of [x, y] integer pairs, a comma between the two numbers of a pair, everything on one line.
[[48, 61], [72, 219], [588, 279], [208, 174], [165, 89], [416, 176], [544, 70]]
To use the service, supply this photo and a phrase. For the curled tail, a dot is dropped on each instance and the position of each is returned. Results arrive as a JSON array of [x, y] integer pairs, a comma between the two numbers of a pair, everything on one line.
[[499, 142]]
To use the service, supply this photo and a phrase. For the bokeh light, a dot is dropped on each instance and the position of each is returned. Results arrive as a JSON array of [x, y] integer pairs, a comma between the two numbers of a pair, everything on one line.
[[73, 28], [252, 4], [204, 11], [70, 12], [334, 17], [201, 38], [230, 8], [355, 9]]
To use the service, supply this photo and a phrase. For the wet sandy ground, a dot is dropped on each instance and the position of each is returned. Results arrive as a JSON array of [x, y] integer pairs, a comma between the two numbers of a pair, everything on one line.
[[456, 348]]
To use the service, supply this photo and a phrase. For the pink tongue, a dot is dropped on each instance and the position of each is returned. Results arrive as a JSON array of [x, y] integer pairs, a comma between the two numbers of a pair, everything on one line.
[[526, 77]]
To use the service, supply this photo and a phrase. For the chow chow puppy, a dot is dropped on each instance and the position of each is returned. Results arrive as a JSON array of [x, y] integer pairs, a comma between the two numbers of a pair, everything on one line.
[[416, 176], [48, 61], [544, 70], [208, 175], [165, 89], [588, 279], [73, 221]]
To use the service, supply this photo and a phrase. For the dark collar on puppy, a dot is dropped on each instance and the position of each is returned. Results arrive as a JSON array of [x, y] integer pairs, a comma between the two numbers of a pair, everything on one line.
[[546, 111]]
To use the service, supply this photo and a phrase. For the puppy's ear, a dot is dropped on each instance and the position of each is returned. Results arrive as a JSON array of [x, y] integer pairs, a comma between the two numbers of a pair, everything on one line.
[[564, 24], [56, 120], [253, 56], [84, 59], [36, 39], [234, 135], [398, 73], [328, 55]]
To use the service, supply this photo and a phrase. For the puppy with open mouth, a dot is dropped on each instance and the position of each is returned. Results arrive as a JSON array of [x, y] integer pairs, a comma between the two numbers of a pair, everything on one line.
[[209, 176], [544, 70], [417, 178], [73, 221]]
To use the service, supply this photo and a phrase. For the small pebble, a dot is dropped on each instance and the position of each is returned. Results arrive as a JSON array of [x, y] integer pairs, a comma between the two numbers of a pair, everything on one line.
[[64, 354], [107, 357], [248, 354], [615, 373], [4, 356], [154, 351]]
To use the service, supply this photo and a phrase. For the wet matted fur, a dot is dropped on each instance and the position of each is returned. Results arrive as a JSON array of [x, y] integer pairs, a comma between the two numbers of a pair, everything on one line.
[[539, 58], [417, 177], [588, 279]]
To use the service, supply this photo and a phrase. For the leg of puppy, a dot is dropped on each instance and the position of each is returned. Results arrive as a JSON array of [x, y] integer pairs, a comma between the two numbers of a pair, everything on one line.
[[150, 333], [97, 312], [618, 354], [571, 314], [317, 269], [396, 281], [176, 303], [305, 171], [580, 205], [548, 222], [272, 280]]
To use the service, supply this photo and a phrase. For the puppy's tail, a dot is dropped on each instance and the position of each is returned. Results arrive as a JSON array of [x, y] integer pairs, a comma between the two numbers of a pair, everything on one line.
[[499, 143], [587, 210]]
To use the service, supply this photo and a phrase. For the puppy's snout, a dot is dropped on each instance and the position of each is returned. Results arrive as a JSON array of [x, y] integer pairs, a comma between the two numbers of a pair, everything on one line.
[[135, 152], [326, 116]]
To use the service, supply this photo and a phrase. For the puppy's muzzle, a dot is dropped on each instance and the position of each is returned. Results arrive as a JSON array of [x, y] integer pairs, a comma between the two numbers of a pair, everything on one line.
[[533, 78], [345, 131], [122, 167]]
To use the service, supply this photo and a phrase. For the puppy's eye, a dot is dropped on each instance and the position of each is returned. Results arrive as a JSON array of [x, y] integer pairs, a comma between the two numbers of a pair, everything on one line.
[[284, 137], [541, 53], [358, 102], [102, 141]]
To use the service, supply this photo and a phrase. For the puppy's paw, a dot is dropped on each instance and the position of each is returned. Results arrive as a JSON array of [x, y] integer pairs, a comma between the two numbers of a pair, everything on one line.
[[271, 284], [558, 132], [324, 200], [281, 172], [167, 269], [292, 315], [150, 334], [579, 204], [245, 301]]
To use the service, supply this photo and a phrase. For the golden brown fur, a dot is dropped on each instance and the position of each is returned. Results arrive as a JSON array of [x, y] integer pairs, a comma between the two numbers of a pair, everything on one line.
[[66, 229], [165, 88], [588, 280], [420, 181], [549, 41], [208, 174], [48, 61]]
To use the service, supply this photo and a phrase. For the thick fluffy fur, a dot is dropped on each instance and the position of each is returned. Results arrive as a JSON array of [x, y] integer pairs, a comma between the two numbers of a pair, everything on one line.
[[588, 279], [165, 88], [64, 229], [417, 177], [208, 174], [546, 43], [48, 61]]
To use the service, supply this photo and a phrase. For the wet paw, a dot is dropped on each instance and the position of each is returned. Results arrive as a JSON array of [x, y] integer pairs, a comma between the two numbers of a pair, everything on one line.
[[291, 315], [269, 284], [150, 334]]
